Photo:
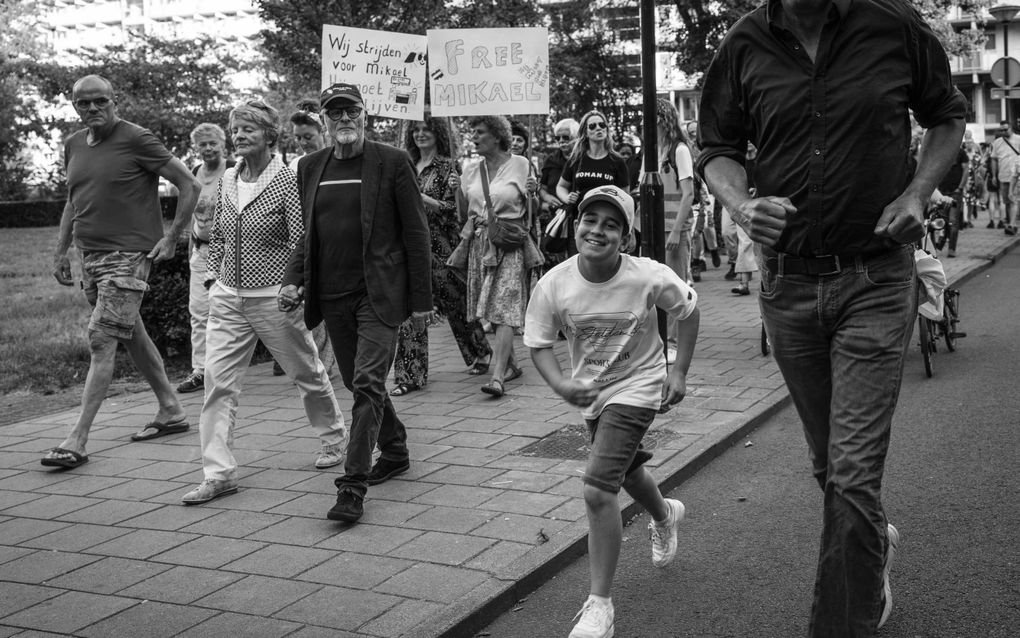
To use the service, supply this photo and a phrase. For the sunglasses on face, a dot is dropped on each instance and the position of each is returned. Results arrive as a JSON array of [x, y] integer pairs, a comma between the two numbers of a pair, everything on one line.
[[594, 126], [563, 138], [353, 113], [100, 103]]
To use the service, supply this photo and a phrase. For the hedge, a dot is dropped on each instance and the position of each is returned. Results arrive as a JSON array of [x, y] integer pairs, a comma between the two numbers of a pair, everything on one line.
[[165, 306], [47, 212]]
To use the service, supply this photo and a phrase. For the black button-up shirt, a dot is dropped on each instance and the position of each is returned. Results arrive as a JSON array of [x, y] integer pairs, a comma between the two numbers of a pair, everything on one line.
[[833, 135]]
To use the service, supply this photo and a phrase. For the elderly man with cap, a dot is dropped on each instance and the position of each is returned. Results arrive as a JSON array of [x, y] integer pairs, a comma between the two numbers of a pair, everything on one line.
[[363, 268]]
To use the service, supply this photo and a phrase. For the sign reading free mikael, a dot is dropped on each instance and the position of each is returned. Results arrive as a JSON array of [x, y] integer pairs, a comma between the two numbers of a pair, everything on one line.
[[388, 67], [489, 71]]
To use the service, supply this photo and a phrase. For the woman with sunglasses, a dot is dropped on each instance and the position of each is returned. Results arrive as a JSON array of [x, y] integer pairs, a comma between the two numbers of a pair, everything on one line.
[[431, 144], [593, 162], [256, 224]]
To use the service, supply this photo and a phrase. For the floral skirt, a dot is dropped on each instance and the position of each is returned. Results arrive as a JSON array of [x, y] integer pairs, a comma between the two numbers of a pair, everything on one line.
[[497, 294]]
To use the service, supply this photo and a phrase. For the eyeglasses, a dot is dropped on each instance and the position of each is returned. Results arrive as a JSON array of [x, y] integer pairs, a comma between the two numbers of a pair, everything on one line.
[[563, 138], [99, 102], [594, 126], [353, 113]]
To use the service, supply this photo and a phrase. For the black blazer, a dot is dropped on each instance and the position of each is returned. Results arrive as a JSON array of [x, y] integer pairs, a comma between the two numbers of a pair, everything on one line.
[[396, 244]]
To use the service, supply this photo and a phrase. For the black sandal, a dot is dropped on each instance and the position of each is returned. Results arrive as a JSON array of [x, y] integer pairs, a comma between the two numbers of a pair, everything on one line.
[[404, 388], [514, 372], [494, 387], [478, 368]]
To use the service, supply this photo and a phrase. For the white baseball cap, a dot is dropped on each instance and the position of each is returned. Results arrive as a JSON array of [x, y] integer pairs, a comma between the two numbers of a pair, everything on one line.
[[615, 196]]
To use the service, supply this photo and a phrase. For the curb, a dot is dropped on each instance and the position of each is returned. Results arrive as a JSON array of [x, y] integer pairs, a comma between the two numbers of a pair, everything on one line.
[[476, 610]]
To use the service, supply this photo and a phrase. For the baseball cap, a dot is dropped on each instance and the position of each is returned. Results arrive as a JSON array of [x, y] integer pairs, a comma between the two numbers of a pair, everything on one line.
[[341, 91], [613, 195]]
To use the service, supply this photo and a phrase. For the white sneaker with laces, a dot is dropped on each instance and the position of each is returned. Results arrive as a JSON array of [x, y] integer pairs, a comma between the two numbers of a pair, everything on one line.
[[332, 455], [664, 535], [596, 620], [894, 541]]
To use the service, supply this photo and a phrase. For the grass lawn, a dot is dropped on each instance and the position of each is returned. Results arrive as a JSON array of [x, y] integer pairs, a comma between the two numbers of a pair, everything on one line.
[[43, 344]]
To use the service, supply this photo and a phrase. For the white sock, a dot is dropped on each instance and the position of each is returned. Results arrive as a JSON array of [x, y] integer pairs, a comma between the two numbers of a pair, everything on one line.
[[605, 600]]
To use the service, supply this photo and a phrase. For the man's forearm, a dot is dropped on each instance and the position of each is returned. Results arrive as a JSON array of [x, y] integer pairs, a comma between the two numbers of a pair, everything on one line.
[[64, 234], [186, 201], [727, 180], [938, 152]]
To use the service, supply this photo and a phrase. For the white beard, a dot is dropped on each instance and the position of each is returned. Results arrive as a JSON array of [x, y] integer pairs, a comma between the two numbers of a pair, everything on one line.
[[346, 137]]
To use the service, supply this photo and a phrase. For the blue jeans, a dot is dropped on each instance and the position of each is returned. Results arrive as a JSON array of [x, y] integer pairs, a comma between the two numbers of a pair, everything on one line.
[[364, 348], [840, 341]]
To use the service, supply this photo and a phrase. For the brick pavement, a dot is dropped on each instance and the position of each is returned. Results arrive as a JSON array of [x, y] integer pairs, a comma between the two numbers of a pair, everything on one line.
[[107, 550]]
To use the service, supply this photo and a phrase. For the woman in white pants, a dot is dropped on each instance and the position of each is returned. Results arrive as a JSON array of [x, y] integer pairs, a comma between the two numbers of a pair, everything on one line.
[[257, 223]]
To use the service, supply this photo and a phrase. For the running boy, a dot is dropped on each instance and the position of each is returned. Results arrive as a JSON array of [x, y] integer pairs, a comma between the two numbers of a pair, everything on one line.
[[604, 302]]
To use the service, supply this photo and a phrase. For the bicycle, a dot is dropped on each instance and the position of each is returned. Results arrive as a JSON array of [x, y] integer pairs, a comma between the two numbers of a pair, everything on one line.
[[934, 324]]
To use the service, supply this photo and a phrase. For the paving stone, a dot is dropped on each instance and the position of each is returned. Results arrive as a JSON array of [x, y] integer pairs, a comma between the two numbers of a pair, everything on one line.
[[284, 561], [317, 484], [456, 495], [306, 505], [110, 575], [462, 475], [457, 520], [255, 499], [402, 619], [499, 556], [18, 596], [142, 544], [523, 463], [161, 451], [207, 551], [108, 512], [7, 553], [39, 567], [440, 547], [9, 498], [339, 607], [181, 585], [572, 510], [163, 470], [519, 528], [233, 524], [278, 479], [357, 571], [50, 507], [15, 531], [480, 425], [262, 596], [381, 512], [75, 538], [325, 632], [229, 624], [296, 531], [398, 489], [528, 503], [85, 485], [540, 429], [366, 538], [438, 583], [69, 612], [149, 619], [139, 489], [472, 439], [169, 518], [526, 481]]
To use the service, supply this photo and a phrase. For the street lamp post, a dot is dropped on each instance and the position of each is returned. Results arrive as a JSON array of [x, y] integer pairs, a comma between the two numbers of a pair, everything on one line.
[[1004, 13]]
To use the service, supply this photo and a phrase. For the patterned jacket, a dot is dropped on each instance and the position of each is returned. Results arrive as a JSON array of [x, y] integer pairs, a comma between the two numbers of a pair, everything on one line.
[[250, 248]]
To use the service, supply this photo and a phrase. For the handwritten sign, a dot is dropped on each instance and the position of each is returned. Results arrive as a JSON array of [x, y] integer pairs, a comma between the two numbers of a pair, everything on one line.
[[489, 71], [388, 67]]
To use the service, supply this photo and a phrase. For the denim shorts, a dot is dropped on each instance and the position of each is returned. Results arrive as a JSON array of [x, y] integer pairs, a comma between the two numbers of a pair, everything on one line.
[[114, 282], [616, 449]]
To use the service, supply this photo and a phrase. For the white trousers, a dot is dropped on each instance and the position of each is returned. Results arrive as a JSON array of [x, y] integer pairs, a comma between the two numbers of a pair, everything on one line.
[[235, 325], [198, 306]]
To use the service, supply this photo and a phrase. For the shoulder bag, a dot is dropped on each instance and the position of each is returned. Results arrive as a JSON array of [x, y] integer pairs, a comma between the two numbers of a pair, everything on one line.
[[507, 235]]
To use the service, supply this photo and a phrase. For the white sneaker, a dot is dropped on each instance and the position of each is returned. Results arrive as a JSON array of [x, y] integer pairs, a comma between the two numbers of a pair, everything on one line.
[[664, 535], [894, 541], [208, 490], [596, 620], [333, 455], [670, 356]]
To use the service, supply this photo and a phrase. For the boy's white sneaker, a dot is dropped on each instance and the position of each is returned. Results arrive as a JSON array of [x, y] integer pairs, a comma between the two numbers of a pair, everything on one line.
[[894, 541], [664, 536], [596, 620]]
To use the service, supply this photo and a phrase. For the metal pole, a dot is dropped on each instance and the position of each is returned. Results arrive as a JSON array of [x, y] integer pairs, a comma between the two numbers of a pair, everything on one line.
[[1005, 75], [653, 236]]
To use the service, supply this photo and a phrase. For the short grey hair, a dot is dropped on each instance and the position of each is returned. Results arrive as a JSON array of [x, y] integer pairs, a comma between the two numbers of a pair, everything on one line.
[[261, 115], [569, 122], [208, 128]]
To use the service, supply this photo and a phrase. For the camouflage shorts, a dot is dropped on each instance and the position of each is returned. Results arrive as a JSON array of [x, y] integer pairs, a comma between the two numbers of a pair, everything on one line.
[[114, 283]]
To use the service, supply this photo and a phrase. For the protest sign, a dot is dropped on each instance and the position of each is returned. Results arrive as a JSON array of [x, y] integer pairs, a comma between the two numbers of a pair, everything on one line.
[[388, 67], [489, 71]]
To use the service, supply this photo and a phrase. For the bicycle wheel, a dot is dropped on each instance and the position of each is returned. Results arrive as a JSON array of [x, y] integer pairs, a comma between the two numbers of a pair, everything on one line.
[[951, 318], [766, 348], [926, 351]]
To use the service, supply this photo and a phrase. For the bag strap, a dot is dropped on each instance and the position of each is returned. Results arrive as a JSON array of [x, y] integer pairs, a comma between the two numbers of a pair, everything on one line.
[[1006, 140]]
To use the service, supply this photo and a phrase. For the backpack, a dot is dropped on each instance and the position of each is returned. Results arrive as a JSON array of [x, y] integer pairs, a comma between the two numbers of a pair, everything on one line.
[[671, 160]]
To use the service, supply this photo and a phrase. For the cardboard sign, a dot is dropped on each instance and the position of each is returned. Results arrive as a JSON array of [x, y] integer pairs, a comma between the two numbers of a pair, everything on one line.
[[489, 71], [388, 67]]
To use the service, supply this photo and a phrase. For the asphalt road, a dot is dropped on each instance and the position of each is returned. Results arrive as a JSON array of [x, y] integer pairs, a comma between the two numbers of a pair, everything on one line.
[[749, 545]]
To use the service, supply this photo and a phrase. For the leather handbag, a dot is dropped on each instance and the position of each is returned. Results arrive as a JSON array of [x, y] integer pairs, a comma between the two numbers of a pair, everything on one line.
[[507, 235]]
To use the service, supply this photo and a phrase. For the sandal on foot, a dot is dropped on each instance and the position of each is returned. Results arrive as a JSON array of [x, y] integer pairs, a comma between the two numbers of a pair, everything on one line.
[[161, 429], [494, 387], [404, 388], [67, 459], [514, 372], [478, 368]]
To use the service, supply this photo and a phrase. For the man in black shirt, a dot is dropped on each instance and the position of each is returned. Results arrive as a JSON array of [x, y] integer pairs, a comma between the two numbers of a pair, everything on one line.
[[822, 88]]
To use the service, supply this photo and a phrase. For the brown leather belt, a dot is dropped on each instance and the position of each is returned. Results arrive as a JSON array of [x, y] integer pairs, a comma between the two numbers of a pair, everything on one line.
[[819, 265]]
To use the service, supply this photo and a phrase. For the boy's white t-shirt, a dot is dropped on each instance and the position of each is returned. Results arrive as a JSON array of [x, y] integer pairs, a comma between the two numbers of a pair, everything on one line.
[[611, 327]]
